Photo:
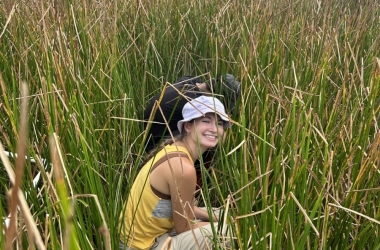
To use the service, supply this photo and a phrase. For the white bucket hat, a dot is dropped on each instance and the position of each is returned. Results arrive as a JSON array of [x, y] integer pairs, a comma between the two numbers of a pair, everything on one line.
[[200, 106]]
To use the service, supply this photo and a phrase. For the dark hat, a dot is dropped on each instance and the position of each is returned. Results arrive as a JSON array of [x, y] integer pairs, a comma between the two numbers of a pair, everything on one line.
[[228, 86]]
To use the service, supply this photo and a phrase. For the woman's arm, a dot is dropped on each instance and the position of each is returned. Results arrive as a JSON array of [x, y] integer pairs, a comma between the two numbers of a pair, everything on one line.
[[182, 184]]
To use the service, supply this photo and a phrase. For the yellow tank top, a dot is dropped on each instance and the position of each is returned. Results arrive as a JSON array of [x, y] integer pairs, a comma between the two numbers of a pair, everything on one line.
[[145, 215]]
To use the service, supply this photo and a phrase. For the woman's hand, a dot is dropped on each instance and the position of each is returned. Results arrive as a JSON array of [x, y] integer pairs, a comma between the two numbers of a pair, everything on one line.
[[202, 214]]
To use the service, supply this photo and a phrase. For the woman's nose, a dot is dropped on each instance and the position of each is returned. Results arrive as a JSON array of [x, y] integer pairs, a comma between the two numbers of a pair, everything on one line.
[[213, 127]]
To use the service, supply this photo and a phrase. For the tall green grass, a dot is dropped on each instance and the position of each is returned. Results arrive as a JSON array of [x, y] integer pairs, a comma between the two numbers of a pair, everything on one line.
[[299, 170]]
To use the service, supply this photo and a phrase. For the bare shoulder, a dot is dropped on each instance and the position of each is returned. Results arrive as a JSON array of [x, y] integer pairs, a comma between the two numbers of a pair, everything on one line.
[[175, 172], [181, 178], [181, 166]]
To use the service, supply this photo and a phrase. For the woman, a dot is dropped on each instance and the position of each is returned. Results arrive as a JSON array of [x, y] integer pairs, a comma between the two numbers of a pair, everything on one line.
[[162, 196], [164, 110]]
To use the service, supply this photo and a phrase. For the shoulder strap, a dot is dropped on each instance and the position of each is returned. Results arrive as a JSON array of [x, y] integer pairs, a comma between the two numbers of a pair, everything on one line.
[[168, 156]]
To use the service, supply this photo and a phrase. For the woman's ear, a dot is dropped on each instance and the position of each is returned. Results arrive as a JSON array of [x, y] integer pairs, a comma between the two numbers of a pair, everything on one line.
[[187, 127]]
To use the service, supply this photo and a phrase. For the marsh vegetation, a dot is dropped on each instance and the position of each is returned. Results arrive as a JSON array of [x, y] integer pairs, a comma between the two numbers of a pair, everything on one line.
[[300, 169]]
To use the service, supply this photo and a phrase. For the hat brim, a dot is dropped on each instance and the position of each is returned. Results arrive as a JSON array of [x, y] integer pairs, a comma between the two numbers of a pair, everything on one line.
[[227, 123]]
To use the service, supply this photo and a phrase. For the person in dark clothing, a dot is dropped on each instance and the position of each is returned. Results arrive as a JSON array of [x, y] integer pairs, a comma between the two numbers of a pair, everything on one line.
[[176, 96], [165, 109]]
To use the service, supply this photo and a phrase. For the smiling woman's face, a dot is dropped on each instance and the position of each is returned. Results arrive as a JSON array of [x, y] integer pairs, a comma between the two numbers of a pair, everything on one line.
[[206, 131]]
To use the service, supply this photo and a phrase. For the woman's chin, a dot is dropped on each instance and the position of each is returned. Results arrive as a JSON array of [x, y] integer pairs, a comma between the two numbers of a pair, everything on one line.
[[209, 144]]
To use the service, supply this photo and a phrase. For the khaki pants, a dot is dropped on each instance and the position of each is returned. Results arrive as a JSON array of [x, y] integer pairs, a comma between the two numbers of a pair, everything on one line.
[[199, 238], [183, 241]]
